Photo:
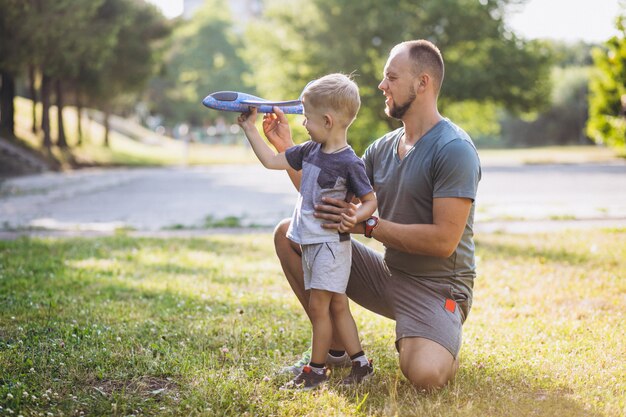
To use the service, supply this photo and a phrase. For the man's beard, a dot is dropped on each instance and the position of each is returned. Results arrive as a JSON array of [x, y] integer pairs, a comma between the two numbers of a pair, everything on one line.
[[397, 112]]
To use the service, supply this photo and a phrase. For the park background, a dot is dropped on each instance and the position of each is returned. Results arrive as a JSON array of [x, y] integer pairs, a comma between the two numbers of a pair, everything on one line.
[[137, 275]]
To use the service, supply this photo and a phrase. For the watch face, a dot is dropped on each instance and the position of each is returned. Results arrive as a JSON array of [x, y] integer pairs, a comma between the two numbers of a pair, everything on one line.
[[371, 222]]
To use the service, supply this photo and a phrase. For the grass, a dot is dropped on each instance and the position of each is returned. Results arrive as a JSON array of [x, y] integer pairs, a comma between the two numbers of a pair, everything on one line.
[[145, 326]]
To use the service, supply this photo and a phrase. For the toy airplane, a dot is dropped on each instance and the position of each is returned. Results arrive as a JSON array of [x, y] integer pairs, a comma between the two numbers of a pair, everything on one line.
[[240, 102]]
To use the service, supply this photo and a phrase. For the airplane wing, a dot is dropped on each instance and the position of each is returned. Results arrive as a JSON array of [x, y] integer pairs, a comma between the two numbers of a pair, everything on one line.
[[256, 103]]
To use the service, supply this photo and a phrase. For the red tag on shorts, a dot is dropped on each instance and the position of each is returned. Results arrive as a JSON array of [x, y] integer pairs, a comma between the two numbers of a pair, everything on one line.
[[450, 305]]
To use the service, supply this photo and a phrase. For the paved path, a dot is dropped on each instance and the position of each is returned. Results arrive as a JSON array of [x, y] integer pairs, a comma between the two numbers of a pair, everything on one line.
[[151, 200]]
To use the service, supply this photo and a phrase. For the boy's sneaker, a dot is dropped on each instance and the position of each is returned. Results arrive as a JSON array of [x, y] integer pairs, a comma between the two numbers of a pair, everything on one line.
[[359, 373], [331, 361], [342, 361], [307, 380], [297, 367]]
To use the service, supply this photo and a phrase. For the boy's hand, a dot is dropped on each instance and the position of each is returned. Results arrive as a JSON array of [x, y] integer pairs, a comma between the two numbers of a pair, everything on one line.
[[276, 129], [348, 219], [340, 214], [246, 120]]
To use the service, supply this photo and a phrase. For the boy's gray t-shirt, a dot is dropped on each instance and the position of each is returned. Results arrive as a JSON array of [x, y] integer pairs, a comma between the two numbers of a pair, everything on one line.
[[339, 175], [443, 163]]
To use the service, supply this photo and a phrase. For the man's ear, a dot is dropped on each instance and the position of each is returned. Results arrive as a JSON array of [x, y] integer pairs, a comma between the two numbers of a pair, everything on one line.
[[422, 81]]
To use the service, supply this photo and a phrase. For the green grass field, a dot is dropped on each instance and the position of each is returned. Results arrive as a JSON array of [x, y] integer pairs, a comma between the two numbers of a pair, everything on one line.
[[145, 326]]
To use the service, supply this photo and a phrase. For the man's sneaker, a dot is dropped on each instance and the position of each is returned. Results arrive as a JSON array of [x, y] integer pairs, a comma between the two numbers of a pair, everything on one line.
[[307, 380], [359, 373], [331, 361], [296, 368]]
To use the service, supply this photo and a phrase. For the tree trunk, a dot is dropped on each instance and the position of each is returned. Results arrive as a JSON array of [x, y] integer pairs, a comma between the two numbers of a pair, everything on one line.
[[7, 106], [61, 140], [79, 119], [32, 78], [106, 127], [45, 110]]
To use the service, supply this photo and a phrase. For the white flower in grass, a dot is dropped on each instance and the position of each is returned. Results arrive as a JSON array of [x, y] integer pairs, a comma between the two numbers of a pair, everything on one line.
[[9, 397], [118, 339], [266, 379], [25, 394]]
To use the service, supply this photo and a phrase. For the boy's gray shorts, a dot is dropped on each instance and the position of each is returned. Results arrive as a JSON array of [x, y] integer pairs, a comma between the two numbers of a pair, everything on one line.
[[428, 308], [327, 266]]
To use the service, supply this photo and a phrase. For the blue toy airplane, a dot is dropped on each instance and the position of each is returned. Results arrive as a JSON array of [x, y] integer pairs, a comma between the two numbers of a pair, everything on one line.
[[241, 102]]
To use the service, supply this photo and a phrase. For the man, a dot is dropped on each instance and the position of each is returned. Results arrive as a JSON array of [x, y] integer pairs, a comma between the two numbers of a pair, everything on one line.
[[425, 175]]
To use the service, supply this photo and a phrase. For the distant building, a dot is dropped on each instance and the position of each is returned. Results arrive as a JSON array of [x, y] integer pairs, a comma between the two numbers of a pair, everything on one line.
[[242, 10]]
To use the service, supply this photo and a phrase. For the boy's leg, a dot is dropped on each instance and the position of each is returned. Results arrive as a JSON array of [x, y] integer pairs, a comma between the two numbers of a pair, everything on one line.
[[362, 367], [290, 256], [319, 311], [345, 326]]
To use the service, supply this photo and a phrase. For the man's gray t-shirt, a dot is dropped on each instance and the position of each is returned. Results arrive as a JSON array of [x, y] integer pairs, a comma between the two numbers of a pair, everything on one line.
[[339, 175], [443, 163]]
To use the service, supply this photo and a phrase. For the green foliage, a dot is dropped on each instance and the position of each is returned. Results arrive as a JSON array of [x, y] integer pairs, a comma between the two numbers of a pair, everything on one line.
[[203, 58], [16, 41], [302, 40], [607, 100], [132, 60], [481, 120], [563, 122]]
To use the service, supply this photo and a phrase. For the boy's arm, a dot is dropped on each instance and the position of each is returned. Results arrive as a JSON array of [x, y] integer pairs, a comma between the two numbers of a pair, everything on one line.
[[357, 214], [266, 155]]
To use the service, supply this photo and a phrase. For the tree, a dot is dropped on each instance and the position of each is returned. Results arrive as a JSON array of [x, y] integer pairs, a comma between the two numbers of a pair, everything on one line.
[[15, 41], [484, 61], [58, 45], [132, 62], [607, 99], [203, 57]]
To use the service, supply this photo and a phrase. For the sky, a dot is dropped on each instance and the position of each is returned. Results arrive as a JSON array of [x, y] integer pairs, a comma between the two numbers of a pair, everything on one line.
[[568, 20]]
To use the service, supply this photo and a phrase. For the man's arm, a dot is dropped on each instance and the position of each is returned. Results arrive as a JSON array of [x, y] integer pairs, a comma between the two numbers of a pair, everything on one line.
[[438, 239], [277, 131]]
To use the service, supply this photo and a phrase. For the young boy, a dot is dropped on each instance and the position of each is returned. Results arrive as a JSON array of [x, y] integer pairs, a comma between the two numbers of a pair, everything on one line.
[[330, 168]]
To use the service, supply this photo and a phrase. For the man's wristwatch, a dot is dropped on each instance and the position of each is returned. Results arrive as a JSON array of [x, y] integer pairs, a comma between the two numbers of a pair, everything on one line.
[[370, 225]]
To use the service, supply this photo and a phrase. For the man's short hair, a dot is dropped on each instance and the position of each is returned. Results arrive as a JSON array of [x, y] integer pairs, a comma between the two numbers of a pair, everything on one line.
[[426, 57], [336, 92]]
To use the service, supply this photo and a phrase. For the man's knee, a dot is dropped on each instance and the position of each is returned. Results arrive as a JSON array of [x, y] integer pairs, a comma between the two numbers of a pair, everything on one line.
[[280, 232], [427, 376], [426, 364], [282, 244]]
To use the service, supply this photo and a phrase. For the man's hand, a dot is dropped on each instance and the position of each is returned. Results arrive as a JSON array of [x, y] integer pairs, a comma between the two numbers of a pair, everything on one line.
[[340, 215], [276, 129]]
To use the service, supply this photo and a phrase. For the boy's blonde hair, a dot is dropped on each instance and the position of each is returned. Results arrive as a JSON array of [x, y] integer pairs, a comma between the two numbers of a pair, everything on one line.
[[335, 92]]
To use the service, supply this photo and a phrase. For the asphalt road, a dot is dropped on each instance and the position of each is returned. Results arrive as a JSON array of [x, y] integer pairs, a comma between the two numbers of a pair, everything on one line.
[[511, 198]]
